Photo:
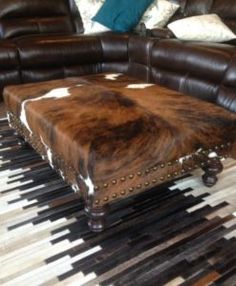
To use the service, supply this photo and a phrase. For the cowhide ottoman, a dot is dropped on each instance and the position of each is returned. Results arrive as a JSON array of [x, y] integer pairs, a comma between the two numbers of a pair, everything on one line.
[[111, 136]]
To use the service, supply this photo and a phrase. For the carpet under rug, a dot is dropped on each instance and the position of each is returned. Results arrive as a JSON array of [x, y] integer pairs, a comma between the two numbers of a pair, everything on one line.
[[180, 233]]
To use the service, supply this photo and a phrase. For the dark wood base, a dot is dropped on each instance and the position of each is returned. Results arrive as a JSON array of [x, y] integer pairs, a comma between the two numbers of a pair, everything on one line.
[[96, 218], [212, 169]]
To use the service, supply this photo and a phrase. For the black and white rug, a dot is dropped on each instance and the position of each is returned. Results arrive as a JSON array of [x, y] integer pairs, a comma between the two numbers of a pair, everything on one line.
[[181, 233]]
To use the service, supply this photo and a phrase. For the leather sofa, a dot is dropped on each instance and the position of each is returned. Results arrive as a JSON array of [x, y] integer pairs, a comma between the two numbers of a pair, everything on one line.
[[43, 41]]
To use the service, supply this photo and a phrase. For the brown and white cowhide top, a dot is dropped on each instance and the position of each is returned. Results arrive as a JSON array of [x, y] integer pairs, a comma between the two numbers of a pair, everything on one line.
[[108, 126]]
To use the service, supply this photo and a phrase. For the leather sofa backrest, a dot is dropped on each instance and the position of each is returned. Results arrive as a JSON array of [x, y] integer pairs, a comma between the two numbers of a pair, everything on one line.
[[226, 9], [24, 17]]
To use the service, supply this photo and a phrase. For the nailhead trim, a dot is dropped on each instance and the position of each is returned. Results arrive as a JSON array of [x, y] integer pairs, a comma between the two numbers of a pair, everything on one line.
[[36, 144]]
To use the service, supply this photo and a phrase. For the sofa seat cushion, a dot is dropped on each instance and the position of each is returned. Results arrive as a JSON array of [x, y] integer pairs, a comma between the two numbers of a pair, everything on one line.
[[196, 68], [52, 57], [109, 134]]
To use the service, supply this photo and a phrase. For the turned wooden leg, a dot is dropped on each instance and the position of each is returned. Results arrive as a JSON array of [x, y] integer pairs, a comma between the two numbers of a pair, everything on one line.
[[212, 169], [96, 217]]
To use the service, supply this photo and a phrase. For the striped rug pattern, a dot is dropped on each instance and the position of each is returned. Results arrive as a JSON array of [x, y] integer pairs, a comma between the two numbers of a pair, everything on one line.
[[181, 233]]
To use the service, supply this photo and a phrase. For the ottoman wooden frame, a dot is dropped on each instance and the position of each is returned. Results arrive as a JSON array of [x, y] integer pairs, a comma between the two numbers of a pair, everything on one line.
[[111, 136]]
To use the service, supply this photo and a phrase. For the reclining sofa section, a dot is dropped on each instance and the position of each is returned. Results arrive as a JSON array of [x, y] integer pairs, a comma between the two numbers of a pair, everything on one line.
[[207, 71]]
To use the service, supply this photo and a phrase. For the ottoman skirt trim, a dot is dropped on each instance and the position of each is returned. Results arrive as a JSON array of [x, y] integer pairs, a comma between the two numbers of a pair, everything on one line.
[[123, 187]]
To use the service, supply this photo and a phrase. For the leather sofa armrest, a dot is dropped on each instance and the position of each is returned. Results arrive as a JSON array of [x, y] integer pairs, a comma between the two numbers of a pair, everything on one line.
[[162, 33]]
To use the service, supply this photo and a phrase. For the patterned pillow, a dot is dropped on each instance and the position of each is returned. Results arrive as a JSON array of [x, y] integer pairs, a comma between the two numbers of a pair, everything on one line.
[[208, 28], [158, 14], [87, 9]]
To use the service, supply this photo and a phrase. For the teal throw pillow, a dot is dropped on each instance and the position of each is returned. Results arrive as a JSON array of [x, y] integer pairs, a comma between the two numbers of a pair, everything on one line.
[[121, 15]]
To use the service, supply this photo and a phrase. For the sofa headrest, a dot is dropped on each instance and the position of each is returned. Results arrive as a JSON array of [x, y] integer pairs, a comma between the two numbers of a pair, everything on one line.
[[22, 17]]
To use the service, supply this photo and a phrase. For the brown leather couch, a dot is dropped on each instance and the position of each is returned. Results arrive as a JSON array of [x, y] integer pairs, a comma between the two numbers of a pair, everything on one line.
[[57, 50]]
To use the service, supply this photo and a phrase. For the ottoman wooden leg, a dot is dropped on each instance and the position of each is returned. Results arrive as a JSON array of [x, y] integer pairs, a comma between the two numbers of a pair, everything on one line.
[[212, 169], [96, 217]]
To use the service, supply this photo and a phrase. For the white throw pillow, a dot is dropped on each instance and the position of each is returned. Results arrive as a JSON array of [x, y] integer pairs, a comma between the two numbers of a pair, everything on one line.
[[208, 28], [88, 9], [158, 14], [97, 28]]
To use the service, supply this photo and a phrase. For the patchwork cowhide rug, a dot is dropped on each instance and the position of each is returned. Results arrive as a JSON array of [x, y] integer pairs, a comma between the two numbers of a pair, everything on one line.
[[181, 233]]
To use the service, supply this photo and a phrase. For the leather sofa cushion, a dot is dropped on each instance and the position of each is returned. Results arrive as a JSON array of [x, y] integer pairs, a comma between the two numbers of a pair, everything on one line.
[[18, 27], [34, 8], [8, 55], [193, 68], [56, 50], [22, 17], [9, 63], [45, 58]]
